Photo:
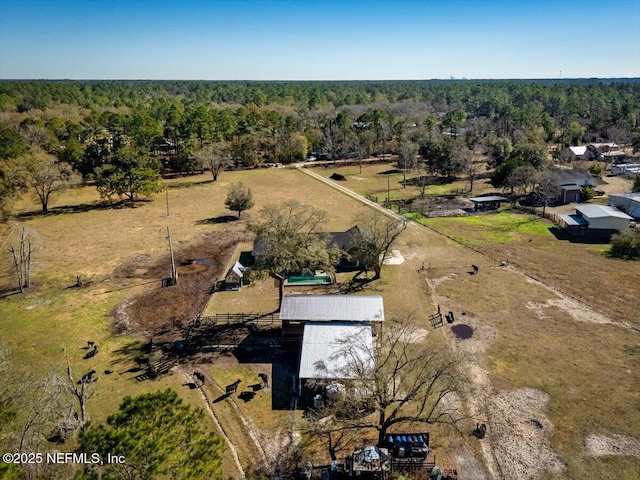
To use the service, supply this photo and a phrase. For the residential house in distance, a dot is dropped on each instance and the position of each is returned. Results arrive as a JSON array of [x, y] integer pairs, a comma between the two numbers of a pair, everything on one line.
[[629, 203], [595, 220], [346, 242], [572, 181], [594, 151]]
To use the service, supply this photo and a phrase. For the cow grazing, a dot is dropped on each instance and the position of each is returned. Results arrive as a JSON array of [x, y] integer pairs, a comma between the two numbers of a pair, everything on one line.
[[199, 377], [92, 353], [147, 347], [142, 361], [233, 387], [264, 379], [475, 269], [480, 431], [88, 377]]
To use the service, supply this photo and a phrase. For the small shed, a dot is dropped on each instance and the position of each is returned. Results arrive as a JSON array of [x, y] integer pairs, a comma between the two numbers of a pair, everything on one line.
[[570, 193], [574, 224], [489, 202], [235, 277]]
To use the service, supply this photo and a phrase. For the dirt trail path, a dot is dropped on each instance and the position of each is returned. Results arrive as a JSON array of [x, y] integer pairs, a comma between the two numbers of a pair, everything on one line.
[[232, 447], [353, 195]]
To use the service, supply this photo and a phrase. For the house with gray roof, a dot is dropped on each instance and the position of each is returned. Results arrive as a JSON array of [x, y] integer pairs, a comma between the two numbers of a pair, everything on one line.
[[572, 181]]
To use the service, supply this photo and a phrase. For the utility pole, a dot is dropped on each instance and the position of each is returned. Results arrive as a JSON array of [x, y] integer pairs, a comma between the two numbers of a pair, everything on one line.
[[388, 187], [166, 191], [174, 271]]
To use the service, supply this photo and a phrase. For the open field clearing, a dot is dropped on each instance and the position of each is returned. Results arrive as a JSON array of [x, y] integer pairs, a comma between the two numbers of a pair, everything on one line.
[[373, 181], [581, 270], [557, 386]]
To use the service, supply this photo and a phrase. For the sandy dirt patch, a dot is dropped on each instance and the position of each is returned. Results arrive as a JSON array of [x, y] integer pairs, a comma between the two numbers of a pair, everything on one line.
[[600, 445], [519, 432], [395, 258]]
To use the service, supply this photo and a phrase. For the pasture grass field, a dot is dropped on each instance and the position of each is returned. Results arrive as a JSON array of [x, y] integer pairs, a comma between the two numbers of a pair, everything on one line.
[[372, 181], [582, 270], [525, 335]]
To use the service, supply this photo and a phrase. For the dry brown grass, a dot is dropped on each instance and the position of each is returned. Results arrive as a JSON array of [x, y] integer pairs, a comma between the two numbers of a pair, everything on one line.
[[521, 340], [373, 181]]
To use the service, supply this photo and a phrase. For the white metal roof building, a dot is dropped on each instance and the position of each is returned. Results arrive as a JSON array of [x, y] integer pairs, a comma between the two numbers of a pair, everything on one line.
[[578, 151], [603, 217], [327, 308], [627, 202], [330, 349]]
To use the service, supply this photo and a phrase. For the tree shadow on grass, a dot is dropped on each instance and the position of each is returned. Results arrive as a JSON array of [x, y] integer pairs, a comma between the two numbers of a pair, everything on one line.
[[188, 184], [217, 220], [8, 291], [390, 172], [84, 207]]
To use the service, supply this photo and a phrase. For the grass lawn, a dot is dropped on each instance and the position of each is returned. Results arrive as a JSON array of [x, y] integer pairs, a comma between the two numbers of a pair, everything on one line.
[[579, 269]]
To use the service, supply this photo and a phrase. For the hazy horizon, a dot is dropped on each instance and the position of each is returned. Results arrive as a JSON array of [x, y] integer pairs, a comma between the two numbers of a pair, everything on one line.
[[285, 40]]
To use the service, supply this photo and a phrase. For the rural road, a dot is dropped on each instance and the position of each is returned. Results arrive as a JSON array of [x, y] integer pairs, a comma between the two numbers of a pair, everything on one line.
[[353, 195]]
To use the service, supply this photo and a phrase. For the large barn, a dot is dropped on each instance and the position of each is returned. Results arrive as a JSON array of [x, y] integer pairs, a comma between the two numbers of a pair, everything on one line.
[[331, 329], [598, 220]]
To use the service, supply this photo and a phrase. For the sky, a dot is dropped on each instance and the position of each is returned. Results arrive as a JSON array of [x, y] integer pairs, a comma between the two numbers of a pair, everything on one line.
[[318, 40]]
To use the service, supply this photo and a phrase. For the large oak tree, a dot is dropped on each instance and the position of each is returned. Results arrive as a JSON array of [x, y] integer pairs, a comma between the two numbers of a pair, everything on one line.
[[288, 240]]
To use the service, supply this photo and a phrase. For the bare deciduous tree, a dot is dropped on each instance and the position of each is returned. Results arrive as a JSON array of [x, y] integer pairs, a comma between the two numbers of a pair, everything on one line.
[[216, 157], [377, 233], [547, 188], [407, 159], [402, 380], [80, 391], [22, 257]]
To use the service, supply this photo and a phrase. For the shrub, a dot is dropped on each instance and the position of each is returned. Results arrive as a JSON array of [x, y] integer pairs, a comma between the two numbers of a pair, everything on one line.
[[626, 245], [587, 193], [595, 169]]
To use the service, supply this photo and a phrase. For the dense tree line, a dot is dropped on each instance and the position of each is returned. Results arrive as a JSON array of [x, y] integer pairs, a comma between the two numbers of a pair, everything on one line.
[[124, 134]]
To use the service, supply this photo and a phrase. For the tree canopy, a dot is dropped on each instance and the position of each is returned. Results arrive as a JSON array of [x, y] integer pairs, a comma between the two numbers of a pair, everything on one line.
[[288, 240], [239, 198], [159, 436], [130, 172], [377, 234]]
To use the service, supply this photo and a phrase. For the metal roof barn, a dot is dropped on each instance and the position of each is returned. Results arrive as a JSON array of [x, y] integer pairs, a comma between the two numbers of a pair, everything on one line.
[[326, 308], [330, 348], [629, 202], [602, 217]]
